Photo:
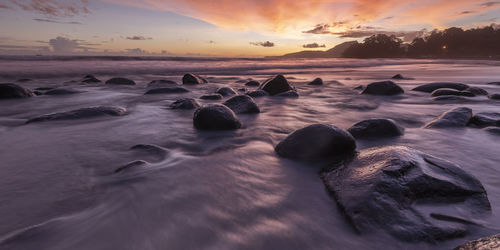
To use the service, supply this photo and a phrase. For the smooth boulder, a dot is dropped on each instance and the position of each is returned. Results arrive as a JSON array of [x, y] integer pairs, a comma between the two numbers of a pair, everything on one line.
[[81, 114], [443, 92], [161, 83], [485, 119], [120, 81], [376, 128], [450, 98], [383, 88], [290, 93], [440, 85], [379, 188], [477, 91], [316, 82], [225, 91], [493, 130], [257, 93], [185, 103], [456, 117], [211, 97], [131, 166], [252, 84], [275, 85], [62, 92], [242, 104], [398, 77], [192, 79], [169, 90], [90, 79], [315, 142], [215, 117], [10, 90], [494, 97]]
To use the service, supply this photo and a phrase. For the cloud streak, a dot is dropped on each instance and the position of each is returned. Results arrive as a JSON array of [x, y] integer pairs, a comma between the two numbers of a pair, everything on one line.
[[53, 21], [313, 46], [58, 8], [138, 38], [263, 44]]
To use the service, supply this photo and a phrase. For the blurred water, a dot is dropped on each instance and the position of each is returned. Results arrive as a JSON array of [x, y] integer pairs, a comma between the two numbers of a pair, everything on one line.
[[215, 190]]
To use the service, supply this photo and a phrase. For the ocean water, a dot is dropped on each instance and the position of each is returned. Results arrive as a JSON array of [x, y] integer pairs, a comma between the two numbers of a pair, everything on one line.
[[213, 190]]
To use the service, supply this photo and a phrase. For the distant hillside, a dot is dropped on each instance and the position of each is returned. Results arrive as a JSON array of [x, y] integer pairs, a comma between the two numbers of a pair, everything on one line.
[[331, 53]]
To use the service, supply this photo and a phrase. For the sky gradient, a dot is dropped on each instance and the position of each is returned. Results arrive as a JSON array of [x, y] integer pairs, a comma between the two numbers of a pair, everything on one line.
[[235, 28]]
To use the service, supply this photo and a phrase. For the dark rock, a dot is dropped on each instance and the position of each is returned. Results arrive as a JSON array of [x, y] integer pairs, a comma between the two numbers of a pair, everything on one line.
[[36, 92], [477, 91], [482, 120], [359, 87], [131, 166], [252, 84], [62, 92], [192, 79], [81, 114], [440, 85], [442, 92], [486, 243], [90, 79], [398, 77], [242, 90], [215, 117], [211, 97], [383, 88], [493, 130], [449, 98], [317, 81], [185, 103], [275, 85], [257, 93], [494, 83], [170, 90], [374, 128], [161, 83], [291, 93], [120, 81], [10, 90], [24, 80], [494, 97], [316, 141], [226, 91], [457, 117], [379, 188], [242, 104], [44, 88]]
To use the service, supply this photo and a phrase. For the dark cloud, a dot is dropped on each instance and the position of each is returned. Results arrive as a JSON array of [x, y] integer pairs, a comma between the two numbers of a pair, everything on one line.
[[136, 51], [63, 45], [211, 42], [263, 44], [489, 4], [319, 29], [54, 21], [60, 8], [313, 46], [466, 12], [3, 6], [139, 38]]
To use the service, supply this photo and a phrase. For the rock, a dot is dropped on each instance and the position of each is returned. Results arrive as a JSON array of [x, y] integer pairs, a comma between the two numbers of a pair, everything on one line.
[[211, 97], [383, 88], [257, 93], [24, 80], [482, 120], [494, 97], [380, 187], [477, 91], [185, 103], [449, 98], [170, 90], [81, 114], [215, 117], [442, 92], [44, 88], [275, 85], [398, 77], [62, 92], [226, 91], [486, 243], [242, 104], [161, 83], [440, 85], [36, 92], [90, 79], [192, 79], [316, 82], [120, 81], [252, 84], [242, 90], [290, 93], [10, 90], [457, 117], [374, 128], [494, 83], [316, 141], [359, 87], [493, 130], [131, 166]]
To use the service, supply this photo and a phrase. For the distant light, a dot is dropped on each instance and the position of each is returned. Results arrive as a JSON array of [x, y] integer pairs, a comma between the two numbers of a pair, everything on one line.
[[444, 46]]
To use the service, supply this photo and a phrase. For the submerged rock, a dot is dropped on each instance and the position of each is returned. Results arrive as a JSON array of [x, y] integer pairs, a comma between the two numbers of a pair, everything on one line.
[[120, 81], [153, 152], [185, 103], [493, 130], [318, 81], [359, 87], [398, 76], [494, 83], [379, 188], [477, 91], [457, 117], [242, 90], [383, 88], [290, 93], [252, 84], [44, 88], [494, 97], [62, 92], [211, 97], [486, 243], [373, 128], [10, 90], [275, 85], [482, 120], [440, 85], [215, 117], [192, 79], [24, 80], [170, 90], [242, 104], [81, 114], [226, 91], [316, 141], [161, 83], [90, 79], [131, 166], [442, 92], [449, 98], [257, 93]]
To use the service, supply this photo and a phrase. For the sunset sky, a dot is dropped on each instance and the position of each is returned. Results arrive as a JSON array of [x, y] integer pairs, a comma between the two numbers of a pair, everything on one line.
[[241, 28]]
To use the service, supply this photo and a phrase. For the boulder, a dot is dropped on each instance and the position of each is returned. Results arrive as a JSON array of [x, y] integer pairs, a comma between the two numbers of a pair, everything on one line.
[[161, 83], [494, 97], [442, 92], [449, 98], [242, 90], [185, 103], [275, 85], [211, 97], [482, 120], [192, 79], [379, 188], [252, 84], [493, 130], [486, 243], [257, 93], [290, 93], [44, 88], [131, 166], [315, 142], [226, 91], [242, 104], [81, 114], [169, 90], [440, 85], [477, 91], [62, 92], [359, 87], [375, 128], [398, 77], [120, 81], [90, 79], [383, 88], [494, 83], [24, 80], [456, 117], [10, 90], [318, 81], [215, 117]]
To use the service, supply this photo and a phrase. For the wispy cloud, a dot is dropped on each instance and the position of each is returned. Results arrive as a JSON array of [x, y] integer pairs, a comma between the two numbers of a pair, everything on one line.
[[263, 44], [59, 8], [313, 46], [54, 21], [138, 38]]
